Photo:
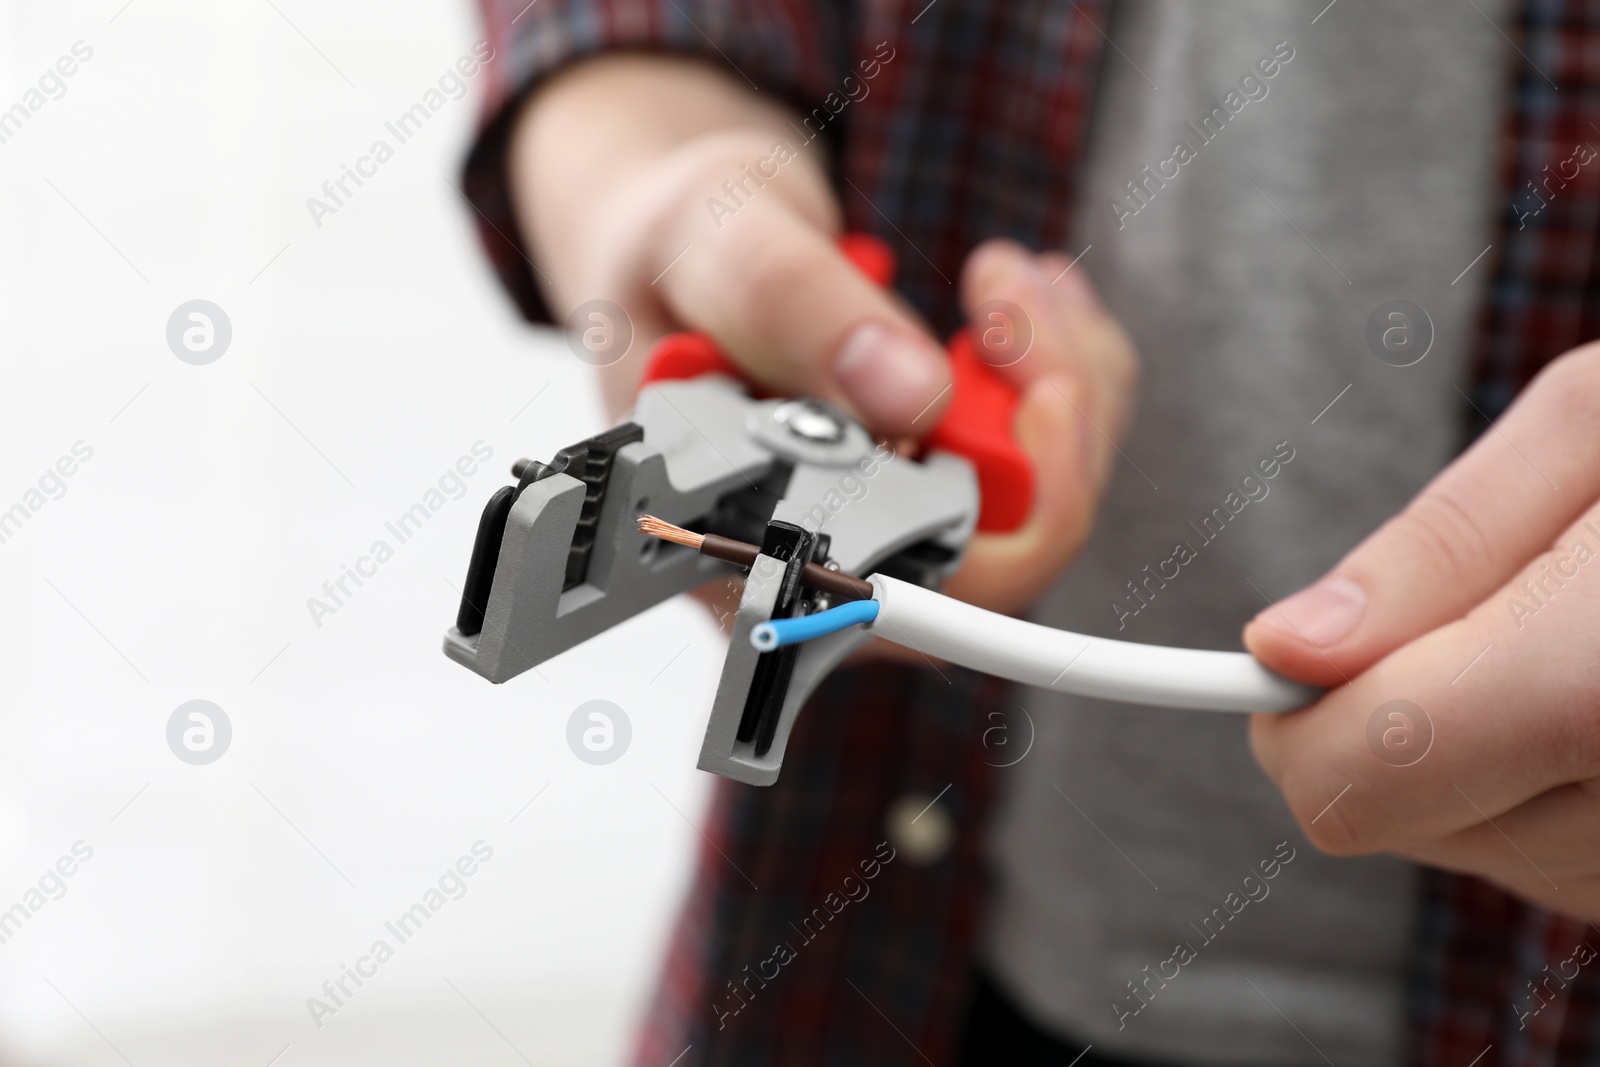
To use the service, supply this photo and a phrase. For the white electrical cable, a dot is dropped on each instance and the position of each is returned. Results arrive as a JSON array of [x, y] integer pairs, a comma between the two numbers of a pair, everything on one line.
[[943, 628]]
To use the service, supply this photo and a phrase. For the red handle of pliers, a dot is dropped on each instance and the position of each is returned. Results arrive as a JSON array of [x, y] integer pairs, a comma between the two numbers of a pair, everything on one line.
[[977, 424]]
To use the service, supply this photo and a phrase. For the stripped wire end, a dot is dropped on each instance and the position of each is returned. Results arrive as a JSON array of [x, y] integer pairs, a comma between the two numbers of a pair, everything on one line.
[[654, 527]]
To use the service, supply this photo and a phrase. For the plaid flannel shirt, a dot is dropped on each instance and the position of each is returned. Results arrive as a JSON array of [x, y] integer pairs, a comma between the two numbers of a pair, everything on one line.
[[975, 129]]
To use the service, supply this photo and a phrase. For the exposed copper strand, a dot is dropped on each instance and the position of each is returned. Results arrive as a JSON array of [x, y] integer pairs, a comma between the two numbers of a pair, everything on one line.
[[649, 524]]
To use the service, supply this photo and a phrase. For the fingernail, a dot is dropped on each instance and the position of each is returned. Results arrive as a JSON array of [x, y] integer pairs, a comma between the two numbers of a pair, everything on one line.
[[891, 379], [1323, 614], [1076, 290]]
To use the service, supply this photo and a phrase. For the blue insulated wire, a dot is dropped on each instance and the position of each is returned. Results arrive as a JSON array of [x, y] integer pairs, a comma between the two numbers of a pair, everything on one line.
[[767, 636]]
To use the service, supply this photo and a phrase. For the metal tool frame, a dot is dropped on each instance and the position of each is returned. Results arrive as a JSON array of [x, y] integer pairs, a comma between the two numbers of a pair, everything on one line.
[[559, 559]]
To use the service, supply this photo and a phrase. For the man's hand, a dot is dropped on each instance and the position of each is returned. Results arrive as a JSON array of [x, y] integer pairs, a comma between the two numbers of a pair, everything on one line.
[[1480, 605], [614, 166]]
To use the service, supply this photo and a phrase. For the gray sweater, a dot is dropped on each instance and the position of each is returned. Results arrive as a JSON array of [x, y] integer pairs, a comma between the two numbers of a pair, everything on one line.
[[1350, 165]]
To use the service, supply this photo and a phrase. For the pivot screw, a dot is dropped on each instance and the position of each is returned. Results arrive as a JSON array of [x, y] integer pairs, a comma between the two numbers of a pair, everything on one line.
[[811, 420]]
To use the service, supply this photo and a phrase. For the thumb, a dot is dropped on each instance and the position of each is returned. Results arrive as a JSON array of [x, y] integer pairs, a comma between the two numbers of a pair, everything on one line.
[[779, 297], [1463, 537]]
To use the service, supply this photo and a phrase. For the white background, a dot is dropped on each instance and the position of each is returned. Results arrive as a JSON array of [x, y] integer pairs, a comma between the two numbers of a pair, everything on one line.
[[366, 358]]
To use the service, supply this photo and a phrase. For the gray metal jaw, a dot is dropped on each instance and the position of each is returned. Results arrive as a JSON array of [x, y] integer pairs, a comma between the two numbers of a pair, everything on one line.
[[722, 752], [695, 452], [705, 441]]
